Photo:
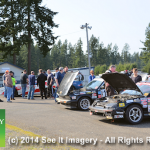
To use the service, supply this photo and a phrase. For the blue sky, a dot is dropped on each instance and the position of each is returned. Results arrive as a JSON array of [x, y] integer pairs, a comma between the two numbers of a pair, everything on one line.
[[113, 21]]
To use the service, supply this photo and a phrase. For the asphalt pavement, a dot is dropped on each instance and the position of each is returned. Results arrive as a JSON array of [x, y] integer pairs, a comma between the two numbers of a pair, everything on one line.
[[46, 118]]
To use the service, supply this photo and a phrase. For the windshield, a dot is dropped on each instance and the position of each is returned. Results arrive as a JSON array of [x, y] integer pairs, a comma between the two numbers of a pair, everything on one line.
[[94, 84], [131, 92], [144, 89]]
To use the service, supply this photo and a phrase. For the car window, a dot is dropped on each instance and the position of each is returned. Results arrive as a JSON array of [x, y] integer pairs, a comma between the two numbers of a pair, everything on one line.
[[144, 88], [94, 84]]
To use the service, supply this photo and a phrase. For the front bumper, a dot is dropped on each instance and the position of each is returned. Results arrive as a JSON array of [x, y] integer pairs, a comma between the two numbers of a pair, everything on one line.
[[109, 113], [68, 103]]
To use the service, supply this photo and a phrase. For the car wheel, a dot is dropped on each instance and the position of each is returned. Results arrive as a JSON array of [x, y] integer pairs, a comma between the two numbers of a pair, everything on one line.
[[84, 103], [134, 114]]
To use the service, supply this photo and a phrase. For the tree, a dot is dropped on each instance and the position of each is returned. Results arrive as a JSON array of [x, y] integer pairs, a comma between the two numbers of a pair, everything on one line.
[[10, 27], [125, 53], [37, 24]]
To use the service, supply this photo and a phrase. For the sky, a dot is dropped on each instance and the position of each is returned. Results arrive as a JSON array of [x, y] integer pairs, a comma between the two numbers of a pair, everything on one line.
[[113, 21]]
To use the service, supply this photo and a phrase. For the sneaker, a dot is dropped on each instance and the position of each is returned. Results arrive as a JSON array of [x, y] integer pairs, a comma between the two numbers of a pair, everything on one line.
[[24, 98], [1, 100], [13, 99], [9, 101], [32, 99]]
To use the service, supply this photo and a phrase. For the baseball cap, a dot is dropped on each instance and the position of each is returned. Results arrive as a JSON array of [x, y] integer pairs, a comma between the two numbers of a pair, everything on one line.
[[56, 68]]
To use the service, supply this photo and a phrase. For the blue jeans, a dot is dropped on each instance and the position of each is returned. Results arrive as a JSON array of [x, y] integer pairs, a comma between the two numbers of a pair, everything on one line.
[[55, 94], [13, 92], [9, 92], [23, 89], [31, 91], [5, 91]]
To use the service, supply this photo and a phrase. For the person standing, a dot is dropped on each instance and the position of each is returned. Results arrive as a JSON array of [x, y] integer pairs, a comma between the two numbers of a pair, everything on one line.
[[9, 86], [65, 71], [91, 77], [50, 80], [41, 82], [14, 85], [58, 78], [109, 89], [24, 80], [31, 79], [136, 78], [5, 88]]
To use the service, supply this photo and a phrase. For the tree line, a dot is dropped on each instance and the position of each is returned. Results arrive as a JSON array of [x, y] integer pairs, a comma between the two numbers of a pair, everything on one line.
[[65, 54]]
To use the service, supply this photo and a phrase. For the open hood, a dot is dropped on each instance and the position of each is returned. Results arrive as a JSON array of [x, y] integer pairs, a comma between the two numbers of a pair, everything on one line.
[[120, 82], [66, 83]]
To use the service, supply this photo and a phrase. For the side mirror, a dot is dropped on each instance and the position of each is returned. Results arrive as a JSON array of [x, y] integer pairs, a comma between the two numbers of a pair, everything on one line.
[[102, 87]]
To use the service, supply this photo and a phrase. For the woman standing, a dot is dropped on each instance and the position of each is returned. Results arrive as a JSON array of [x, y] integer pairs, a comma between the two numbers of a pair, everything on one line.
[[136, 78]]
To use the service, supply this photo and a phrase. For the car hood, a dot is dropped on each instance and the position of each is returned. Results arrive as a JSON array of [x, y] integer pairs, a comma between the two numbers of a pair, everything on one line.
[[120, 82], [66, 83]]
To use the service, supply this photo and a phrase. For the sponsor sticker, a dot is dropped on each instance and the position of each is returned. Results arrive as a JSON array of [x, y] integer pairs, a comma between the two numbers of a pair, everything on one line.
[[129, 101], [146, 94], [148, 108], [144, 102], [121, 104], [2, 127], [82, 93], [118, 116], [73, 97], [99, 96]]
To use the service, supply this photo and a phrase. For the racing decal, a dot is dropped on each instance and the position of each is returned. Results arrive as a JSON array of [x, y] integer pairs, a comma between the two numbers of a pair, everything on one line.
[[82, 93], [137, 100], [94, 95], [146, 94], [148, 108], [99, 96], [117, 112], [148, 104], [88, 92], [118, 116], [73, 97], [121, 104], [144, 102], [99, 92], [129, 101]]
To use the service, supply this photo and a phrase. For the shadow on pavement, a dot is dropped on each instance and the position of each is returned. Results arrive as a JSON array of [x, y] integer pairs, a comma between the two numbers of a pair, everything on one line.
[[31, 103], [122, 122], [76, 109]]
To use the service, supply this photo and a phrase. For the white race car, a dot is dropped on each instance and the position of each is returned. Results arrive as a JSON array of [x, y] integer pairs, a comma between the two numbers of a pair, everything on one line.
[[18, 91]]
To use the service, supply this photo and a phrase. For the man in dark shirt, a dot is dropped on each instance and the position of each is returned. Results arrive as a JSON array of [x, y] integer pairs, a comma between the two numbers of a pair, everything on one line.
[[58, 78], [24, 79], [65, 71], [41, 82], [50, 81], [31, 79], [136, 78]]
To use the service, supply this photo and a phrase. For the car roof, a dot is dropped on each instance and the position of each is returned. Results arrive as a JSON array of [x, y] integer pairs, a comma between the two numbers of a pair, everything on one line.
[[99, 79]]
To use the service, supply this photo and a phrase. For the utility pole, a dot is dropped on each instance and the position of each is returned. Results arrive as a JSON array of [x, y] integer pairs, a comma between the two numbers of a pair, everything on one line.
[[87, 27]]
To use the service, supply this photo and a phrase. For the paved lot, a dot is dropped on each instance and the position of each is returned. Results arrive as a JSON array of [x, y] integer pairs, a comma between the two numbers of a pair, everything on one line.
[[46, 118]]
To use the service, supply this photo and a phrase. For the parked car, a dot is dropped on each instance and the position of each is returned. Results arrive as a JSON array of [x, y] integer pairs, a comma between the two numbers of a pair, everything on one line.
[[132, 104], [83, 97], [18, 91]]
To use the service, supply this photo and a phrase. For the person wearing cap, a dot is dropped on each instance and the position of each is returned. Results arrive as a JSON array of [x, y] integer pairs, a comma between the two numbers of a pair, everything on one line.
[[91, 77], [24, 80], [14, 85], [9, 86], [5, 89], [58, 78], [31, 79]]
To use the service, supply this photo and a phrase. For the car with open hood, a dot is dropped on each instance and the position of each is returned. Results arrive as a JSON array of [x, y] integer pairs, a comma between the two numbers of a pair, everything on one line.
[[131, 103], [81, 98]]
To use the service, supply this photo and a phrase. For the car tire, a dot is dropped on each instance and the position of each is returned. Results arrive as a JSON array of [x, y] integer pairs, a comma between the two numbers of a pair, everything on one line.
[[84, 103], [134, 114]]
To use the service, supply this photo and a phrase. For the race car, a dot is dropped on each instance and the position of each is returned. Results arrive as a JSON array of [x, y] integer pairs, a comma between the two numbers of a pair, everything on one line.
[[131, 103], [18, 91], [83, 97]]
